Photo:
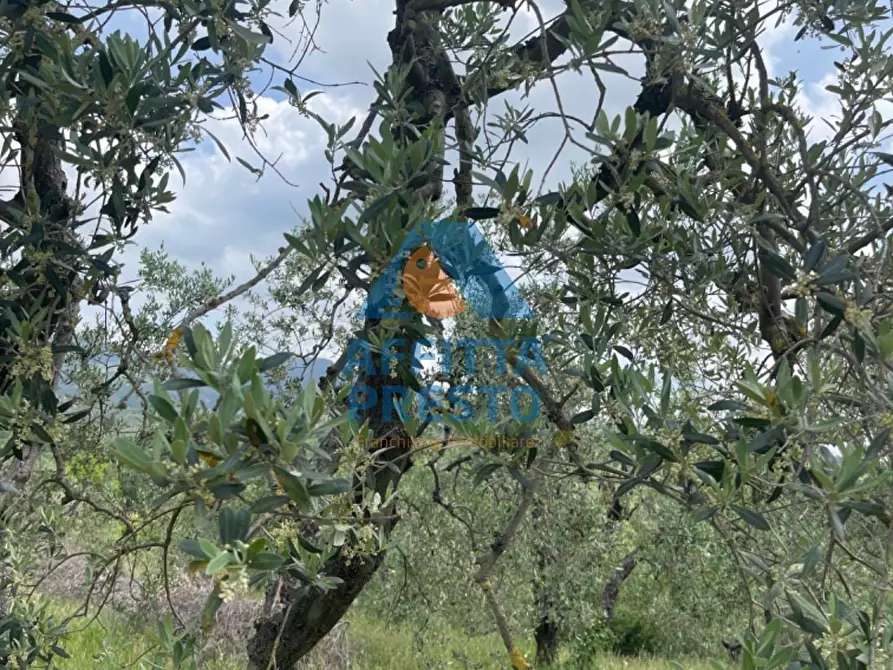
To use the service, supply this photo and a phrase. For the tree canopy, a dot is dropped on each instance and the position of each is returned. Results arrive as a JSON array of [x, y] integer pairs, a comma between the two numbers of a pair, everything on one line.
[[709, 291]]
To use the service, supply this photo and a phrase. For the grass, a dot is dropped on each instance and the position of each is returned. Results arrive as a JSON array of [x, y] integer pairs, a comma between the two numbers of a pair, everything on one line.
[[113, 642], [380, 647]]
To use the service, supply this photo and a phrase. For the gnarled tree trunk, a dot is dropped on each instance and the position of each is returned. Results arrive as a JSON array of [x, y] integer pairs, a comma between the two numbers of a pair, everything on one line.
[[307, 615], [42, 211]]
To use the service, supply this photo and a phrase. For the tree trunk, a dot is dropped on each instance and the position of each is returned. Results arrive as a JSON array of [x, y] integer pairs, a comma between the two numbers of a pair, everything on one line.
[[611, 592], [546, 634], [43, 192], [306, 614], [548, 627], [309, 615]]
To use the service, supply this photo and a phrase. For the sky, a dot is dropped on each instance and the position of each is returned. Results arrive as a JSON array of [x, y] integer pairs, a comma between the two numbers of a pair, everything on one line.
[[224, 216]]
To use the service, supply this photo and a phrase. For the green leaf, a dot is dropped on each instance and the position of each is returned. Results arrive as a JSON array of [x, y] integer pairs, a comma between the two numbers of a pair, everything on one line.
[[376, 207], [704, 513], [805, 615], [248, 166], [878, 443], [209, 548], [209, 611], [60, 652], [836, 524], [219, 144], [307, 398], [193, 547], [219, 562], [665, 394], [887, 158], [295, 242], [836, 277], [620, 457], [626, 353], [202, 44], [609, 67], [869, 508], [755, 519], [885, 344], [801, 312], [266, 560], [274, 361], [481, 213], [831, 303], [268, 504], [547, 199], [582, 417], [179, 449], [294, 488], [484, 472], [182, 383], [63, 17], [487, 181], [164, 409], [777, 265], [656, 447], [831, 327], [234, 525], [130, 454], [851, 468], [694, 436], [731, 405], [249, 36], [859, 347], [331, 487], [813, 556], [815, 253], [31, 79], [246, 367], [689, 208], [38, 431], [632, 220]]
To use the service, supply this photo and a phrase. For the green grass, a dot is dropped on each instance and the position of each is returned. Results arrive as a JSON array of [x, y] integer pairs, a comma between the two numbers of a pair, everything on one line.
[[380, 647], [112, 642]]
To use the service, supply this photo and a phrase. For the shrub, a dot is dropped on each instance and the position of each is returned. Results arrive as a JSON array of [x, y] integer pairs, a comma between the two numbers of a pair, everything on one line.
[[633, 634]]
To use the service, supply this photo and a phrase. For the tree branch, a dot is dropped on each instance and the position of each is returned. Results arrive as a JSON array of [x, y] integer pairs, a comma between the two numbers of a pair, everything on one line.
[[214, 303]]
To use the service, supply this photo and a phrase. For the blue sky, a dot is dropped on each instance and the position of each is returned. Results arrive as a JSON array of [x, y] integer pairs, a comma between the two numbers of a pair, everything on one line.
[[224, 216]]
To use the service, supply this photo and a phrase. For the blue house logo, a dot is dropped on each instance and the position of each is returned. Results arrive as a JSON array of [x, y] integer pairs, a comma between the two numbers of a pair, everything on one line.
[[446, 267]]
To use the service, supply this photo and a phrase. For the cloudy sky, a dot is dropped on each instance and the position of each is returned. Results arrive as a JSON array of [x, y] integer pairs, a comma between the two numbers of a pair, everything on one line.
[[224, 215]]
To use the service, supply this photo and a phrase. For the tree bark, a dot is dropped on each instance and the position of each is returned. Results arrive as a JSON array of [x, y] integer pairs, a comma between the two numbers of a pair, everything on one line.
[[42, 200], [611, 592], [547, 632], [307, 614], [548, 628]]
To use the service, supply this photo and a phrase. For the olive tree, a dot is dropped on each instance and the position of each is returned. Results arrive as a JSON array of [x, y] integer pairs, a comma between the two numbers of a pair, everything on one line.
[[745, 378], [93, 121], [762, 245]]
